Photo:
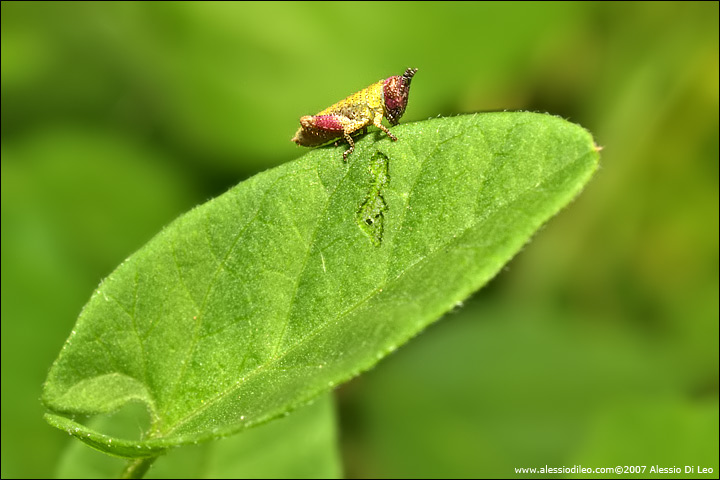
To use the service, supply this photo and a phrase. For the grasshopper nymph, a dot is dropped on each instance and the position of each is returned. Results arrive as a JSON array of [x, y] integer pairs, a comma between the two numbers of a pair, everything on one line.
[[386, 98]]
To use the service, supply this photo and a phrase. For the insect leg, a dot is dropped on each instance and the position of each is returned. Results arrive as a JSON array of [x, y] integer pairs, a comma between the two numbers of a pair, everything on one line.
[[378, 123], [352, 126], [347, 152]]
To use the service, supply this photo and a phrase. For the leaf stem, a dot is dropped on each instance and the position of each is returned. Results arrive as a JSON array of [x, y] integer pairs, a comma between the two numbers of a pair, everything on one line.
[[137, 468]]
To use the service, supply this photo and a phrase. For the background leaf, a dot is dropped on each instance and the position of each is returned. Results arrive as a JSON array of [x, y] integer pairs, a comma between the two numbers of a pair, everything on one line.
[[301, 445], [255, 302]]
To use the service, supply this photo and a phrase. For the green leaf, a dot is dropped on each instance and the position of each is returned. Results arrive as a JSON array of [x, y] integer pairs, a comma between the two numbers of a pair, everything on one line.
[[305, 275]]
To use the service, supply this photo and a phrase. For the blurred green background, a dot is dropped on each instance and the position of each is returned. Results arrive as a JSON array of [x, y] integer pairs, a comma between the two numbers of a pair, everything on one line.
[[598, 344]]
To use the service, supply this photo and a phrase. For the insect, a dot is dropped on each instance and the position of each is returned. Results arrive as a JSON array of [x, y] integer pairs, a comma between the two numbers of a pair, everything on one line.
[[386, 98]]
